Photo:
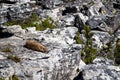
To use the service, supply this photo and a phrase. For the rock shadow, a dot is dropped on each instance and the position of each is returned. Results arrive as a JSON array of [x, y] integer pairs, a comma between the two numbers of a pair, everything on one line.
[[79, 77], [5, 34]]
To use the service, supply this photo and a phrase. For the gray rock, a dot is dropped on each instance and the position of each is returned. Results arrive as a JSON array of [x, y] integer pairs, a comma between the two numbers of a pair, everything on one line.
[[78, 23], [69, 20], [101, 69], [101, 38], [60, 63]]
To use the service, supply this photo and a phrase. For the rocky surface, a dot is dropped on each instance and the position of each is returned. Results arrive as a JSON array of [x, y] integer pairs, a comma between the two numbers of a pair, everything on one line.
[[62, 61], [59, 63], [101, 69]]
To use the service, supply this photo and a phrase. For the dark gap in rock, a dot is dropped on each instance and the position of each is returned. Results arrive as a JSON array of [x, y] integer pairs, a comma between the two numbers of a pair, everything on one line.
[[69, 10], [79, 77], [7, 1], [98, 29], [85, 10], [5, 34], [116, 6]]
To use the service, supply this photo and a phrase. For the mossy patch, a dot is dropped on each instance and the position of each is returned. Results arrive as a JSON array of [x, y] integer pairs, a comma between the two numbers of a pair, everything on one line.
[[7, 49], [34, 21], [14, 58], [13, 77], [2, 79], [78, 39], [91, 3], [117, 53]]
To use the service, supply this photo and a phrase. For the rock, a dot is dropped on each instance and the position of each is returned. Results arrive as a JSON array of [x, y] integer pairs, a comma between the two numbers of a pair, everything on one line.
[[63, 60], [83, 17], [104, 23], [2, 57], [31, 44], [95, 23], [113, 23], [101, 38], [94, 10], [82, 65], [69, 20], [5, 67], [60, 63], [101, 69], [31, 30], [15, 29], [78, 23]]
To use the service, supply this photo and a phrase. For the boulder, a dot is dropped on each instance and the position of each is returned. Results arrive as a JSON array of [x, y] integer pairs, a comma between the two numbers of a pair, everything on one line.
[[101, 69], [101, 38]]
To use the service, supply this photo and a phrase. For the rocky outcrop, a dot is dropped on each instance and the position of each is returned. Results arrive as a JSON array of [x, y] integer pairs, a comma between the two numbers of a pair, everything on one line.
[[101, 69], [63, 58], [60, 62]]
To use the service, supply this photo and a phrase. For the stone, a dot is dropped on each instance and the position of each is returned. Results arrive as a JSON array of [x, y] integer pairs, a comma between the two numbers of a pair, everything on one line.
[[101, 39], [78, 23], [101, 69], [15, 29], [31, 30], [63, 58], [69, 20], [60, 62], [34, 45], [2, 57]]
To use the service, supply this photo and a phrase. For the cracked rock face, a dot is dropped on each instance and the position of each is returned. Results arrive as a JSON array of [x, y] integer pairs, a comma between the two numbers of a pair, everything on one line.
[[101, 69], [60, 62]]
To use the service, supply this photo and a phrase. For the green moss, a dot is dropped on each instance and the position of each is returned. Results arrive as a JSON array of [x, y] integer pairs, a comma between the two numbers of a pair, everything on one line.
[[14, 77], [14, 58], [7, 49], [47, 23], [78, 39], [2, 79], [117, 54], [91, 3], [32, 22]]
